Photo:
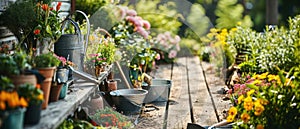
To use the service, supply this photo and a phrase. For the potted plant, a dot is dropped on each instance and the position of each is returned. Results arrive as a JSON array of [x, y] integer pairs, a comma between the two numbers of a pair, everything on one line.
[[17, 67], [105, 56], [12, 106], [34, 97], [46, 64]]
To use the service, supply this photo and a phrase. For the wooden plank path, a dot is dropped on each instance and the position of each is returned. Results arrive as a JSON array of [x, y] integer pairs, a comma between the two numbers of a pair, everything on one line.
[[188, 85]]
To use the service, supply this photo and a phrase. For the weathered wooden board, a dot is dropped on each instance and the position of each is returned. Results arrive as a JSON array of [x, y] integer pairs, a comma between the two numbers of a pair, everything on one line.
[[178, 112], [203, 109]]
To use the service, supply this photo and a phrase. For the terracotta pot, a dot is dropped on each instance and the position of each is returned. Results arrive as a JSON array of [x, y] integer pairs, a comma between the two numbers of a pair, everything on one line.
[[18, 80], [112, 85], [46, 84], [98, 70], [54, 92]]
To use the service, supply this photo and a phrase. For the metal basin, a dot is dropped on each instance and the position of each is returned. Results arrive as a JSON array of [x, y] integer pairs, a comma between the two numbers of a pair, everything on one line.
[[128, 101], [158, 91]]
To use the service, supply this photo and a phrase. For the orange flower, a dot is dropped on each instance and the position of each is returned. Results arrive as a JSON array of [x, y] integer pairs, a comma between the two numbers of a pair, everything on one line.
[[258, 109], [245, 117], [259, 126], [248, 103], [45, 7], [2, 105], [58, 6], [37, 31], [38, 86], [23, 102]]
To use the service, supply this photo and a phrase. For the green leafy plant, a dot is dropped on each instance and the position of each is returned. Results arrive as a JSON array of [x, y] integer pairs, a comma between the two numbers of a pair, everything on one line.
[[46, 60], [14, 64]]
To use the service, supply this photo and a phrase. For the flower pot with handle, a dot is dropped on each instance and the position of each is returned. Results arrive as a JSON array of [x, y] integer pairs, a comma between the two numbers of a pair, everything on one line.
[[14, 119]]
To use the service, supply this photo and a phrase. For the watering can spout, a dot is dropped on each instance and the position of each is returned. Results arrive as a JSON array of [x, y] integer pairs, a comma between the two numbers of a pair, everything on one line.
[[84, 76]]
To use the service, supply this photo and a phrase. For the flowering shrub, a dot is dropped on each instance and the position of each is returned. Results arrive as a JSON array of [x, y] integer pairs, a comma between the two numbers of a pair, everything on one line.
[[167, 44], [129, 23], [109, 118], [272, 102], [49, 22]]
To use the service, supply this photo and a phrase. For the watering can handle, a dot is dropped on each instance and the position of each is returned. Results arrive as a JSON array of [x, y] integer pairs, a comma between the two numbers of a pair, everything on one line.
[[88, 29], [77, 29]]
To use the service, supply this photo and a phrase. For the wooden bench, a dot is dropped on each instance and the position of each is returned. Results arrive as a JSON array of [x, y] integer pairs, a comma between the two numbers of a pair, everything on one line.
[[188, 85]]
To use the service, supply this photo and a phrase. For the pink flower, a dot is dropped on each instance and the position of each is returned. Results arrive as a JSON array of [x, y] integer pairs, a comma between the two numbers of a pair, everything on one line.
[[177, 39], [146, 24], [157, 57], [172, 54], [137, 22], [130, 19], [229, 91], [131, 12]]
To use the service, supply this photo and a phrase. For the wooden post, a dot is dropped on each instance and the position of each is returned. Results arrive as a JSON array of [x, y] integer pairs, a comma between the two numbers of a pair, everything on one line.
[[271, 12]]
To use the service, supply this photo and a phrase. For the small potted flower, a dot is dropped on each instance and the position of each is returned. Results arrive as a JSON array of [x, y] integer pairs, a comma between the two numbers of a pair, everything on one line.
[[48, 28], [12, 105], [46, 64], [34, 96]]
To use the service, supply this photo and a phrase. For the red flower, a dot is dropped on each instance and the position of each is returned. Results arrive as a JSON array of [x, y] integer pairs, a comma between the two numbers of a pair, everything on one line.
[[45, 7], [51, 8], [37, 31], [58, 6]]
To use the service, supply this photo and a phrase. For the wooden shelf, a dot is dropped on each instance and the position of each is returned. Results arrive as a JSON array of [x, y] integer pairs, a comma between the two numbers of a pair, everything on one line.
[[57, 112]]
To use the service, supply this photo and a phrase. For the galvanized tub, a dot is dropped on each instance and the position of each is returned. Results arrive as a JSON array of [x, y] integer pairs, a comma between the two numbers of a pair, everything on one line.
[[128, 101], [158, 91]]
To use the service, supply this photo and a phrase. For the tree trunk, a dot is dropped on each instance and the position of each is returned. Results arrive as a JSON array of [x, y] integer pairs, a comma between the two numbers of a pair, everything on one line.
[[272, 12]]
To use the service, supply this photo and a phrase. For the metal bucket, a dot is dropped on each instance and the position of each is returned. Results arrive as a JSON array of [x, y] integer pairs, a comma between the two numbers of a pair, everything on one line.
[[128, 101], [158, 91]]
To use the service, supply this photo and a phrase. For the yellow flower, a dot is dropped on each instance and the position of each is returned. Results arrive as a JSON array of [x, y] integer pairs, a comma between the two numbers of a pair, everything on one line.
[[230, 118], [233, 29], [259, 126], [214, 30], [258, 109], [262, 76], [40, 97], [232, 111], [245, 117], [249, 93], [240, 99], [248, 103]]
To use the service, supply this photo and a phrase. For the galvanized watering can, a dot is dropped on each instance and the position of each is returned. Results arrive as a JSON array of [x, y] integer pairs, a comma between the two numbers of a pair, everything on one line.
[[72, 46]]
